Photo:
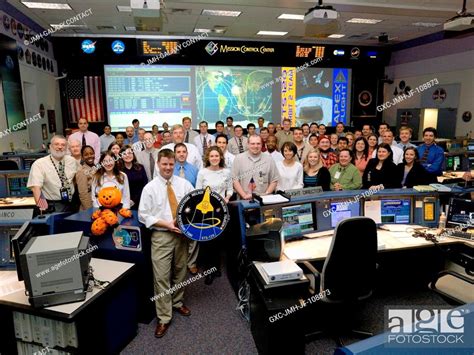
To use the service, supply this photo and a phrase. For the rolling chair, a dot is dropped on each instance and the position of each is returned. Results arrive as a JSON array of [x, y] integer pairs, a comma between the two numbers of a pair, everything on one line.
[[8, 165], [349, 273]]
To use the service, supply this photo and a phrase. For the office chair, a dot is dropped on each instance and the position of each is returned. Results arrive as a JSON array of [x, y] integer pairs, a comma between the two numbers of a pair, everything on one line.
[[8, 165], [349, 273]]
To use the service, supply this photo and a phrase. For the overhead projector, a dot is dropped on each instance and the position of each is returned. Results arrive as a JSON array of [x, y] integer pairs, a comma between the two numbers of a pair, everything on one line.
[[320, 15], [459, 23]]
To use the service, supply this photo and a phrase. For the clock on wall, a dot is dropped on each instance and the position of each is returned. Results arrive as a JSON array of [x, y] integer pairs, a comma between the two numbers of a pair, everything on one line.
[[466, 116]]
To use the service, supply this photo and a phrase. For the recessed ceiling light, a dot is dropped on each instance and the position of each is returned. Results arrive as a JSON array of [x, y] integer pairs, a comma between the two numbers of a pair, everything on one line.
[[221, 13], [271, 33], [368, 21], [121, 8], [219, 29], [336, 35], [46, 5], [291, 17], [130, 28], [426, 24], [59, 27], [202, 30]]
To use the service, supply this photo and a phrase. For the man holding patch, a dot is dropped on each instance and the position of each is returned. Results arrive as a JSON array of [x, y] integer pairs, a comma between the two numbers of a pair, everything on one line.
[[169, 247]]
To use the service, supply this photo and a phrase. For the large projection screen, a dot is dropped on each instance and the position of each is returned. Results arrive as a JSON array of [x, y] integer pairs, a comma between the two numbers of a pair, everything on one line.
[[155, 94]]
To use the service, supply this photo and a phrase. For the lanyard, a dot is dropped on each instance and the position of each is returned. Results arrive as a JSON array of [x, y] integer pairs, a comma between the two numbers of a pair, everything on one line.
[[62, 177]]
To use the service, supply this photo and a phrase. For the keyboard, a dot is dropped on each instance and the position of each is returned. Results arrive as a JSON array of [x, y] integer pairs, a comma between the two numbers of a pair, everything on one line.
[[460, 235]]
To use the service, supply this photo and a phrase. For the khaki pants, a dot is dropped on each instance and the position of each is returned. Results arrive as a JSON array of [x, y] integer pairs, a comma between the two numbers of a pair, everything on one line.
[[169, 255], [193, 253]]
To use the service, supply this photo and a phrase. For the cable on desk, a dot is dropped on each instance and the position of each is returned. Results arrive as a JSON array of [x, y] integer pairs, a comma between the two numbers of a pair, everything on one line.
[[93, 282]]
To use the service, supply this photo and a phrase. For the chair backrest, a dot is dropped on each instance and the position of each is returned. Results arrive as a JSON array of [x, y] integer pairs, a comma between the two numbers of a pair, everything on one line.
[[349, 270], [8, 165]]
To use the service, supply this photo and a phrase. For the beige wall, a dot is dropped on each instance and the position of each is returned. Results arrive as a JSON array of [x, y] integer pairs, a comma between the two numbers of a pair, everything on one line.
[[450, 61]]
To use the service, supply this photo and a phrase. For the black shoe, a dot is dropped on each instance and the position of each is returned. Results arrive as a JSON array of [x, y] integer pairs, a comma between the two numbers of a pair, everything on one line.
[[209, 279]]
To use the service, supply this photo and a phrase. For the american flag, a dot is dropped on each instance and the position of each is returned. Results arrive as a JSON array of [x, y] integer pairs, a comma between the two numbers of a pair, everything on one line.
[[252, 185], [42, 203], [85, 99]]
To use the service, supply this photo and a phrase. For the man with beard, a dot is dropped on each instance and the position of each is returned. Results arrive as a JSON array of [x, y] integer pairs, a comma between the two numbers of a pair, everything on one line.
[[272, 144], [51, 177], [328, 158]]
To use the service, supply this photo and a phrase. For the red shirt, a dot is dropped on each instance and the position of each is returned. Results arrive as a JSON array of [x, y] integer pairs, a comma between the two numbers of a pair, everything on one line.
[[330, 160]]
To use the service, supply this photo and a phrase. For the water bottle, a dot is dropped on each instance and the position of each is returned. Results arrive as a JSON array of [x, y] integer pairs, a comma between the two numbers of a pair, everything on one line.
[[442, 221]]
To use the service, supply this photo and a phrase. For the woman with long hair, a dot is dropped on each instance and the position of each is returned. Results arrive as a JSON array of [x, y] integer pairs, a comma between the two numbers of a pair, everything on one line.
[[219, 179], [381, 171], [109, 175], [114, 147], [361, 154], [350, 140], [411, 172], [373, 142], [84, 177], [315, 173], [291, 171], [136, 175]]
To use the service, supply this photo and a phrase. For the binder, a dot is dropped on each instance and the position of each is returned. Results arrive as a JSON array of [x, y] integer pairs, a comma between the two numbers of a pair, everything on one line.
[[17, 325]]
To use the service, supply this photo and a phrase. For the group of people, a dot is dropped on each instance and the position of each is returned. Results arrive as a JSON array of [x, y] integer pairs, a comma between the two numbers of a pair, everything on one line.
[[155, 170]]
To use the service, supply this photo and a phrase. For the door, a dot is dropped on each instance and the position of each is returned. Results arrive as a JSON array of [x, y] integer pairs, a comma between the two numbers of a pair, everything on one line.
[[447, 122]]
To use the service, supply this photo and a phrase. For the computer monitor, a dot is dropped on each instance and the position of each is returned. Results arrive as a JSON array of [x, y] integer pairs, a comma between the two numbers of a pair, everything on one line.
[[342, 210], [17, 185], [389, 210], [396, 211], [461, 213], [454, 162], [297, 220], [27, 162]]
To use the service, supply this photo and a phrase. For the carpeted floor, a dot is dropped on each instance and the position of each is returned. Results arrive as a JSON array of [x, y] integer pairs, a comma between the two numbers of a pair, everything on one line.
[[215, 327]]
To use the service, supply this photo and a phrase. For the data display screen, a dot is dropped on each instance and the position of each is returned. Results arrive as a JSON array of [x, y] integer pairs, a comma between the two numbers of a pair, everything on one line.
[[297, 220], [166, 93]]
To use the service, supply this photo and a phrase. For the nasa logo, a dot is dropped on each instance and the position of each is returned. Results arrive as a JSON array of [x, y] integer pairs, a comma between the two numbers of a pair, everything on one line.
[[202, 215], [88, 46]]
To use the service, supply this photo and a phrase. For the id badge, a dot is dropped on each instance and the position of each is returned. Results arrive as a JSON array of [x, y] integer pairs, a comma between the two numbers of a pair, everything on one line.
[[64, 194], [337, 175]]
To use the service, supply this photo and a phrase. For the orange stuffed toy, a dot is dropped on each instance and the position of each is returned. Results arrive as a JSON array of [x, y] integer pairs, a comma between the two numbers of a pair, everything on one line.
[[110, 199]]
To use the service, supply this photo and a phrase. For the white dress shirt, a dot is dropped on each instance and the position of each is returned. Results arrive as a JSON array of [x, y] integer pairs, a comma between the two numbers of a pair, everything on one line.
[[92, 139], [199, 140], [107, 181], [276, 155], [229, 159], [219, 181], [291, 177], [154, 203], [193, 158]]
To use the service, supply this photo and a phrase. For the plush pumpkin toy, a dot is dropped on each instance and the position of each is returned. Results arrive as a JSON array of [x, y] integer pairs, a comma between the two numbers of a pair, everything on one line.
[[110, 199]]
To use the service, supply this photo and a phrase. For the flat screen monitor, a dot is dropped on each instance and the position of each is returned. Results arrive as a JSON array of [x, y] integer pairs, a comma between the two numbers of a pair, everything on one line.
[[17, 185], [396, 211], [454, 163], [297, 220], [461, 213], [28, 162], [343, 210]]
